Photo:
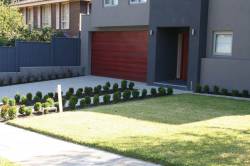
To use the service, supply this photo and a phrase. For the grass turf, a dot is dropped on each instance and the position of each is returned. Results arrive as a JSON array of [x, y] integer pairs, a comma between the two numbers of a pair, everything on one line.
[[177, 130]]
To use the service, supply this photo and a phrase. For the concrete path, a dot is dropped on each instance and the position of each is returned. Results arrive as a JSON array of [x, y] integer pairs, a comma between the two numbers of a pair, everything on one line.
[[50, 86], [31, 149]]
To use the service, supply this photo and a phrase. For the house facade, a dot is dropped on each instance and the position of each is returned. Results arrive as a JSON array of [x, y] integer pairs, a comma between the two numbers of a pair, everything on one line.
[[169, 42], [63, 15]]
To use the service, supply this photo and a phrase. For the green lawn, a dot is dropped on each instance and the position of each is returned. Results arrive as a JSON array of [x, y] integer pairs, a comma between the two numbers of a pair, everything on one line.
[[4, 162], [177, 130]]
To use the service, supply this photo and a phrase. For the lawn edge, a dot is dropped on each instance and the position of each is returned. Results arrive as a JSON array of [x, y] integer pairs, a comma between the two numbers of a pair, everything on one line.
[[128, 154]]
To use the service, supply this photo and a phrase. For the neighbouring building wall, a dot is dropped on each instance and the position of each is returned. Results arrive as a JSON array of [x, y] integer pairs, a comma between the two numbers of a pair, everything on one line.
[[191, 14], [228, 71], [123, 14]]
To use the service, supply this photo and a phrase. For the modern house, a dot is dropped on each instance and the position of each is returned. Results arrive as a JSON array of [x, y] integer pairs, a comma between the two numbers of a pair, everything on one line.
[[61, 15], [172, 42]]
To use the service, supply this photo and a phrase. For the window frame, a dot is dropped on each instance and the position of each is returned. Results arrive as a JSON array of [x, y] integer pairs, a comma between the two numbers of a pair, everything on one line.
[[46, 16], [215, 34], [63, 20], [137, 2], [110, 5]]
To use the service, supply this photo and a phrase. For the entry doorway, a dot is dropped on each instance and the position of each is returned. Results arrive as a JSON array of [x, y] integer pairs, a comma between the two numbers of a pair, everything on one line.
[[172, 56]]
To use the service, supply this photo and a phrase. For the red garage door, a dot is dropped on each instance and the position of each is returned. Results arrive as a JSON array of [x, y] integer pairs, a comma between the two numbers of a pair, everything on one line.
[[120, 54]]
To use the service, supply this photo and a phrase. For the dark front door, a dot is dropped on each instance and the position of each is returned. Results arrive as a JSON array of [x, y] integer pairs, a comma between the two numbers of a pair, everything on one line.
[[185, 50]]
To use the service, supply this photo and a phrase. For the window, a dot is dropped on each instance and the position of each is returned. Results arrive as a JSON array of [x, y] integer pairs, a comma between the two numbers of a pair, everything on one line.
[[109, 3], [65, 16], [223, 42], [137, 1], [46, 16]]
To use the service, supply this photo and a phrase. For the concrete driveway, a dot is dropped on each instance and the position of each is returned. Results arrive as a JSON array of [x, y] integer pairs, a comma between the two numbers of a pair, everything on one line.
[[50, 86], [31, 149]]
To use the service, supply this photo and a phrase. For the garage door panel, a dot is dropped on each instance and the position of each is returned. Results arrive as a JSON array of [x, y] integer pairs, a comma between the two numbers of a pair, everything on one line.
[[120, 54]]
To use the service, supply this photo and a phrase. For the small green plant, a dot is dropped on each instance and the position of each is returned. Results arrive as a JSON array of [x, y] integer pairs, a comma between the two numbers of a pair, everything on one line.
[[38, 106], [22, 109], [17, 98], [51, 102], [170, 91], [12, 113], [115, 87], [29, 97], [224, 92], [36, 99], [51, 95], [83, 103], [235, 93], [88, 91], [71, 90], [46, 107], [106, 99], [39, 95], [96, 100], [131, 85], [12, 102], [106, 88], [28, 111], [5, 100], [216, 90], [135, 94], [98, 89], [24, 100], [79, 92], [153, 92], [206, 89], [144, 93], [162, 91], [88, 100], [45, 97], [245, 93], [108, 84], [68, 95], [198, 88], [4, 111], [126, 95], [124, 84], [117, 97], [72, 102]]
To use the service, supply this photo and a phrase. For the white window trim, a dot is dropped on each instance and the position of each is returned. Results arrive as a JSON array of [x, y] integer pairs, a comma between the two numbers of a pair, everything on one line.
[[110, 5], [48, 16], [30, 19], [57, 16], [137, 2], [68, 19], [215, 33], [38, 17]]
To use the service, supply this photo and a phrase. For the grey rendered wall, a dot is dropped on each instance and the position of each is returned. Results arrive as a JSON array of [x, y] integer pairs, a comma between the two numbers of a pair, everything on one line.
[[229, 72], [179, 13], [122, 15]]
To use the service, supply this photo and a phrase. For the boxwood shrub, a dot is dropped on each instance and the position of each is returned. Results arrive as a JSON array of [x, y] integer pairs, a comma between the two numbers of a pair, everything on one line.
[[115, 87], [12, 113], [170, 91], [51, 102], [17, 98], [224, 92], [216, 90], [88, 100], [68, 95], [235, 93], [162, 91], [71, 90], [198, 88], [38, 106], [22, 109], [51, 95], [131, 85], [39, 95], [72, 102], [105, 88], [144, 93], [96, 100], [124, 84], [12, 102], [28, 111], [4, 111], [29, 97], [245, 93], [126, 95], [117, 97], [5, 100], [24, 100], [135, 94], [153, 92], [83, 103], [79, 92], [98, 89], [106, 99], [88, 91]]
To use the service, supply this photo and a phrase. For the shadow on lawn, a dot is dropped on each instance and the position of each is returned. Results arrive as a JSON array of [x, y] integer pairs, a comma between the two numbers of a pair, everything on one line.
[[217, 149], [179, 109]]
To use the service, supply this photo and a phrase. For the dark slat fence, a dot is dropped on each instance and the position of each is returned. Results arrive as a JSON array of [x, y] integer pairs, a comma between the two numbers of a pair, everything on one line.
[[60, 52]]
